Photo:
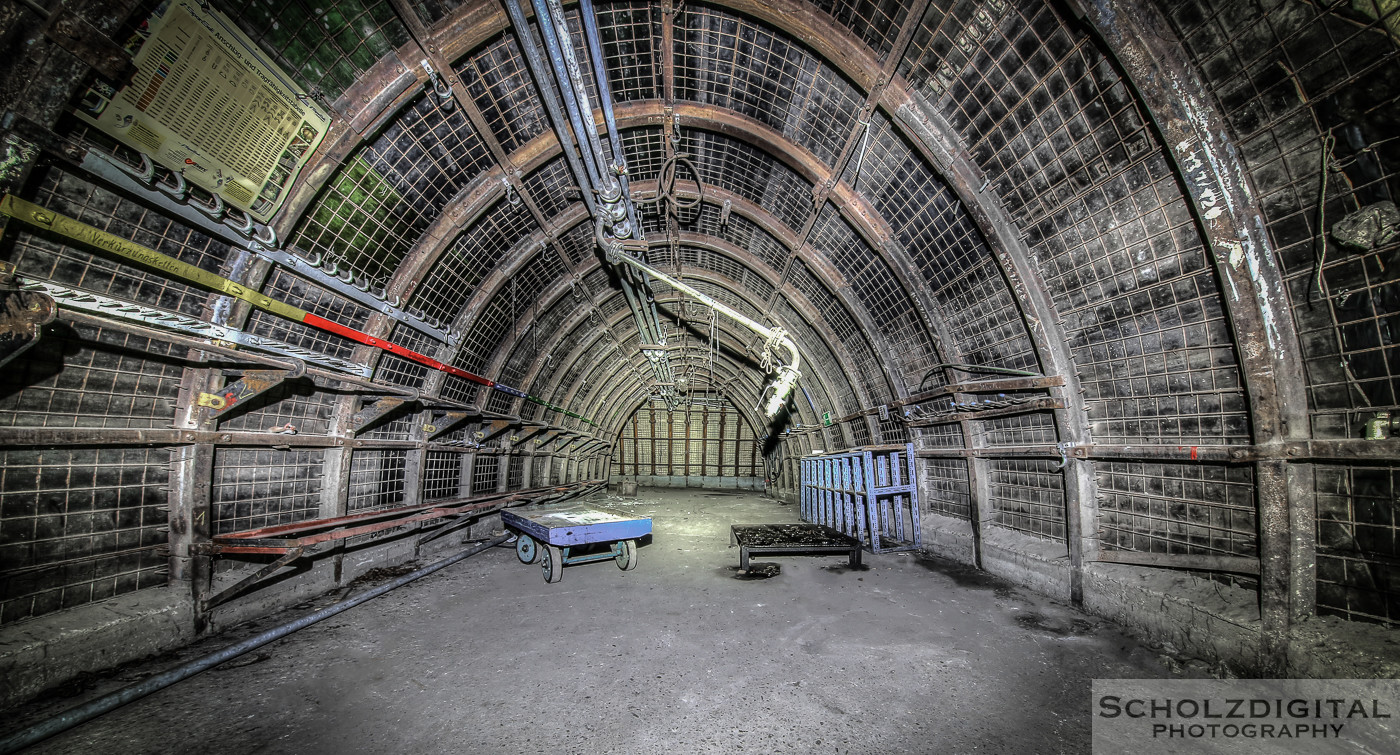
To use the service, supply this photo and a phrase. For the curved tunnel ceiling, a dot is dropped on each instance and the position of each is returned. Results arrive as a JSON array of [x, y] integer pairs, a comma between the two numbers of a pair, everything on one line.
[[900, 185]]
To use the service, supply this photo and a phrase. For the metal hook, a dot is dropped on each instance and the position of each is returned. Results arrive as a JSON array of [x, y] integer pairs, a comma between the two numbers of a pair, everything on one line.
[[246, 228], [271, 241]]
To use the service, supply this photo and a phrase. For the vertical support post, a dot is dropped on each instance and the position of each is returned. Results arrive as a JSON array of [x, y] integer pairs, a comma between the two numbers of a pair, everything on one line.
[[502, 472], [190, 525], [1276, 565]]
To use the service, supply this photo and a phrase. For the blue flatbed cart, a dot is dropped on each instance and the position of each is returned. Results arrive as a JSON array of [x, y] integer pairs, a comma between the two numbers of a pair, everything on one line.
[[550, 535]]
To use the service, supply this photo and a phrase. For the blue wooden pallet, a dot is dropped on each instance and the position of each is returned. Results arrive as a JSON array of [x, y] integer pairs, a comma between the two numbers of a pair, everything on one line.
[[552, 535]]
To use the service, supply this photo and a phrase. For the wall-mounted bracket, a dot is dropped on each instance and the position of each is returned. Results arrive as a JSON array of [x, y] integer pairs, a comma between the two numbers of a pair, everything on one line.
[[446, 422], [240, 393], [372, 413]]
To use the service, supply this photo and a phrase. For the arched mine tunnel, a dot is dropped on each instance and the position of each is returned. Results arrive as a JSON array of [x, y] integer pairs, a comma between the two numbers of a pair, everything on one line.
[[1077, 317]]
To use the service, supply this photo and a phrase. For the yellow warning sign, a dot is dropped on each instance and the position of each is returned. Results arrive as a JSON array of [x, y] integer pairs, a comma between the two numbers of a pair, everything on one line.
[[207, 103]]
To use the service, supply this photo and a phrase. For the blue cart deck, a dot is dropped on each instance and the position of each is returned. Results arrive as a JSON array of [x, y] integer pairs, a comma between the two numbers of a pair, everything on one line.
[[576, 525]]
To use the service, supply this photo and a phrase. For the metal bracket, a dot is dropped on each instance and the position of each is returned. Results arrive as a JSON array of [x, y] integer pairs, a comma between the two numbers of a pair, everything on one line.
[[23, 315], [374, 412], [497, 427], [253, 383], [209, 601], [446, 422]]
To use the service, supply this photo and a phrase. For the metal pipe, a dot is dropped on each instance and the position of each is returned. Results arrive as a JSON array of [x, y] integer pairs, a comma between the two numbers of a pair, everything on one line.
[[608, 188], [131, 693], [561, 77], [551, 101], [600, 75], [753, 325]]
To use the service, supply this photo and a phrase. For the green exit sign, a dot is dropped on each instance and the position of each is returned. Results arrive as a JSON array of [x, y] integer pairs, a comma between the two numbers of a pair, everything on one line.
[[826, 418]]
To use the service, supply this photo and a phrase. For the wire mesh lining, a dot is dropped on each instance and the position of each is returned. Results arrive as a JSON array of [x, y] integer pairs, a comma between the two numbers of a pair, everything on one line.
[[484, 469], [985, 319], [539, 335], [1019, 430], [708, 259], [515, 473], [324, 46], [578, 244], [398, 371], [261, 487], [553, 188], [1044, 111], [939, 436], [79, 525], [1028, 495], [361, 222], [472, 256], [429, 154], [376, 478], [292, 289], [876, 286], [842, 398], [1310, 96], [750, 173], [43, 256], [946, 487], [299, 403], [743, 65], [81, 376], [512, 303], [1198, 509], [741, 232], [631, 34], [1358, 552], [498, 81]]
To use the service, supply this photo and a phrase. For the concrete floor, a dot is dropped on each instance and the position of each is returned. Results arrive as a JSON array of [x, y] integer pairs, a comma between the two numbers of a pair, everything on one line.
[[909, 655]]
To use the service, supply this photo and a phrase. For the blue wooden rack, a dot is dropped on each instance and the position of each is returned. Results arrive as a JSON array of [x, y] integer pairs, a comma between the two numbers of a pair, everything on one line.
[[870, 493]]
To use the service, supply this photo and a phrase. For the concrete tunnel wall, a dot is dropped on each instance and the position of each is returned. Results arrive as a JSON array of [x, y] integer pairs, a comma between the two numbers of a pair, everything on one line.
[[1136, 203]]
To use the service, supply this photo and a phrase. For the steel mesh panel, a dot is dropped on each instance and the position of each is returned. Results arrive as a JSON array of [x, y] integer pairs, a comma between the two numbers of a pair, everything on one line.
[[542, 330], [985, 319], [552, 363], [875, 284], [515, 474], [376, 477], [571, 376], [644, 150], [472, 256], [631, 34], [361, 222], [707, 259], [429, 155], [324, 46], [946, 487], [1357, 567], [578, 243], [498, 81], [398, 427], [750, 173], [939, 436], [458, 389], [442, 475], [1197, 509], [296, 402], [432, 11], [398, 371], [877, 22], [613, 305], [1028, 495], [484, 468], [552, 187], [741, 232], [45, 257], [922, 211], [653, 442], [261, 487], [292, 289], [757, 71], [79, 525], [512, 302], [89, 377], [1019, 430], [1046, 112], [1286, 79]]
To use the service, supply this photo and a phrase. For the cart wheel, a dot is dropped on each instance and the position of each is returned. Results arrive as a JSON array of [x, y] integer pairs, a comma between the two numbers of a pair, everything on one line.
[[552, 562], [526, 549], [626, 557]]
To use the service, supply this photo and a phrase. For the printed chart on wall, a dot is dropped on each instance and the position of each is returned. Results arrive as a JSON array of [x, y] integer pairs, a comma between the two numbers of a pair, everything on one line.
[[206, 103]]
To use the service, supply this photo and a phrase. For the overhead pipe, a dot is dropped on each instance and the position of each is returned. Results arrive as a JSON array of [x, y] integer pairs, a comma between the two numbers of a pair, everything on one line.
[[551, 100], [787, 373], [131, 693], [600, 76]]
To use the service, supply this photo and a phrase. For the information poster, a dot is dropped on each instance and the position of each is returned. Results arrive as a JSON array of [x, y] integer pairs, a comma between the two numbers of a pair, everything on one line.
[[208, 104]]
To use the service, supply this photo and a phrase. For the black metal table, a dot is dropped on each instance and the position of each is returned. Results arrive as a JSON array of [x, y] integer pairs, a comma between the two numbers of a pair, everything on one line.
[[798, 539]]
